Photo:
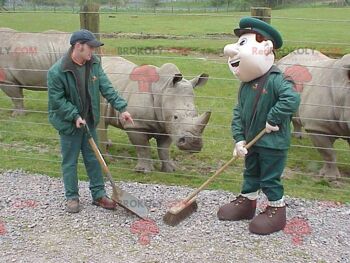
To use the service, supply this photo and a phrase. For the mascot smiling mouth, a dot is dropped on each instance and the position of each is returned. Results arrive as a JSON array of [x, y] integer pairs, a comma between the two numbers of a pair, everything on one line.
[[235, 63]]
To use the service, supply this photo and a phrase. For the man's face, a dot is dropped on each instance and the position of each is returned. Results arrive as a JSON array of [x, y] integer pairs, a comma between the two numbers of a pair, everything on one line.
[[250, 57], [85, 51]]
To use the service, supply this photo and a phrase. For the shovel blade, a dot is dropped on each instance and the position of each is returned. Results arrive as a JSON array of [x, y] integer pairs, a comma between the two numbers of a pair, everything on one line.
[[131, 203]]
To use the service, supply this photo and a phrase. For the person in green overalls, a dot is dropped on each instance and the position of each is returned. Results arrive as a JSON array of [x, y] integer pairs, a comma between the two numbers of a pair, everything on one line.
[[266, 100], [74, 85]]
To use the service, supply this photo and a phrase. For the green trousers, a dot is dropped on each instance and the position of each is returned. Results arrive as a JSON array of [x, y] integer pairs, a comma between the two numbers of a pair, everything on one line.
[[70, 148], [263, 170]]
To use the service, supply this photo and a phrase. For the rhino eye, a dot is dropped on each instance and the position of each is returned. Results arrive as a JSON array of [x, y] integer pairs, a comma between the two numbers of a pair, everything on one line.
[[175, 117]]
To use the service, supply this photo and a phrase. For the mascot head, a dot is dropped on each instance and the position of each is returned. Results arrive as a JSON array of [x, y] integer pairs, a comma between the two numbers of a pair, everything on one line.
[[253, 54]]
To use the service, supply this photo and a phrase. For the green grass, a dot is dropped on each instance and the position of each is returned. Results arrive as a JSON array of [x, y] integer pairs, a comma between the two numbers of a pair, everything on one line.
[[35, 147]]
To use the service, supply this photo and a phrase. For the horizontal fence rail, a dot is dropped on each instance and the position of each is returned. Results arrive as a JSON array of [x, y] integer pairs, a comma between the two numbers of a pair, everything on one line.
[[231, 15]]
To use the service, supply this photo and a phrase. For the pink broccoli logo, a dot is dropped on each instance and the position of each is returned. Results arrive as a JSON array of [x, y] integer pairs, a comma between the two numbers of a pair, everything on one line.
[[145, 75], [24, 203], [145, 228], [2, 228], [299, 74], [2, 75], [297, 228]]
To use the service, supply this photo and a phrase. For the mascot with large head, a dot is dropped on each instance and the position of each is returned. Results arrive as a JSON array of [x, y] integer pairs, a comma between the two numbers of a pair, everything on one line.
[[266, 100]]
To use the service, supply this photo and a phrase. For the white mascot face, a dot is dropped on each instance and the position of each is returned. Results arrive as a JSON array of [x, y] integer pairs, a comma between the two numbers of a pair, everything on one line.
[[249, 59]]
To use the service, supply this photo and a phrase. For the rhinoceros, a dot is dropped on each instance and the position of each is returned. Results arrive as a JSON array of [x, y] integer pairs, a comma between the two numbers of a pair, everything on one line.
[[324, 84], [160, 100]]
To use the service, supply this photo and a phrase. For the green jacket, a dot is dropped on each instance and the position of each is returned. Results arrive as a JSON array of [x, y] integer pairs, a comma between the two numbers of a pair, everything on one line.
[[277, 103], [65, 104]]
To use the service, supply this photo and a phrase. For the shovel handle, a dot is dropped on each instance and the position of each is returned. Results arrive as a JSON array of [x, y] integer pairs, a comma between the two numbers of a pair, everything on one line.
[[96, 150], [100, 159], [218, 172]]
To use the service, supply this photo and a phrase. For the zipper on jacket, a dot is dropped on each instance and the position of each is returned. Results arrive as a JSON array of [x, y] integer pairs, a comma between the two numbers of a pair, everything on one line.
[[76, 83], [88, 90]]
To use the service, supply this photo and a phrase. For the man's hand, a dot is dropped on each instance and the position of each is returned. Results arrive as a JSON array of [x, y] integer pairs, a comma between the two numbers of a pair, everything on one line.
[[80, 122], [126, 116], [269, 128], [240, 149]]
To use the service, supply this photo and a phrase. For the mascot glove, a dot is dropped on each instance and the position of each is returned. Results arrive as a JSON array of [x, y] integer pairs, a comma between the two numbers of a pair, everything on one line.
[[240, 149], [269, 128]]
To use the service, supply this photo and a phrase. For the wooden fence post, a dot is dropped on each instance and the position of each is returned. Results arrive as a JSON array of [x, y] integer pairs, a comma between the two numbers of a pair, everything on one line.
[[90, 17], [90, 20], [262, 13]]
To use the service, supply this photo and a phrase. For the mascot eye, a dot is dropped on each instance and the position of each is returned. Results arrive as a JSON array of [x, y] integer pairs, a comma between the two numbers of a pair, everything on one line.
[[243, 42]]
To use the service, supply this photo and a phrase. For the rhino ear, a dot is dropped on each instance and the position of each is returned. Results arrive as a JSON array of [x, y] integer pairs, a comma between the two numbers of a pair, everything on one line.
[[177, 77], [201, 80]]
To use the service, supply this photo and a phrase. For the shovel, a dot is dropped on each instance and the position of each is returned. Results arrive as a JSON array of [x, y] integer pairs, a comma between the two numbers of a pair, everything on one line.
[[123, 198]]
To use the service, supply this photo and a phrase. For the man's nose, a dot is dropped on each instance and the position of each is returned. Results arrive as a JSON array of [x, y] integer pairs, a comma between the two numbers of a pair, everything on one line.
[[230, 50]]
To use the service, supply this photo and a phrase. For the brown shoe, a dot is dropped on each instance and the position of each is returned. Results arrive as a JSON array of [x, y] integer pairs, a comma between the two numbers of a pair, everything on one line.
[[105, 202], [72, 206], [273, 219], [239, 209]]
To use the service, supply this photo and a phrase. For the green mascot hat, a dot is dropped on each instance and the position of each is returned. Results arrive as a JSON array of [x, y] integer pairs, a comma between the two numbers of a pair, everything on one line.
[[254, 25]]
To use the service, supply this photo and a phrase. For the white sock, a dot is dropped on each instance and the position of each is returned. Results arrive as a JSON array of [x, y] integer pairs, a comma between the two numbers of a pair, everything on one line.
[[278, 203], [251, 196]]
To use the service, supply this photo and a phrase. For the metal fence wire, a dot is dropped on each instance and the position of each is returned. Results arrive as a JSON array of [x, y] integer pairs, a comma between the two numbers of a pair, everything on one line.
[[31, 141]]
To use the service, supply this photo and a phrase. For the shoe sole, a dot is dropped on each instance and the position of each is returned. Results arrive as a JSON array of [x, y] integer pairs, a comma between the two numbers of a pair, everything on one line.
[[240, 219], [108, 208]]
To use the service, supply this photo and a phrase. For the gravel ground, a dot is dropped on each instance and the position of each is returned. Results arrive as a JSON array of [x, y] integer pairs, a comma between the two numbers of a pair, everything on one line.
[[35, 228]]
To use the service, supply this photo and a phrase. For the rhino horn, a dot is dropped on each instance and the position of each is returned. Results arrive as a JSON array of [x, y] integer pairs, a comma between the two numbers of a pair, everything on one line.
[[202, 121]]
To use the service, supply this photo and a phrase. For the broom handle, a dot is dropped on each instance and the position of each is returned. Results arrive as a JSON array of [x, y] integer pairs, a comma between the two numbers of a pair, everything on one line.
[[218, 172]]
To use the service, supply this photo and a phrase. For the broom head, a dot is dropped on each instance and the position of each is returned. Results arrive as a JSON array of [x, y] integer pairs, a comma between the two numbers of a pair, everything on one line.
[[179, 212]]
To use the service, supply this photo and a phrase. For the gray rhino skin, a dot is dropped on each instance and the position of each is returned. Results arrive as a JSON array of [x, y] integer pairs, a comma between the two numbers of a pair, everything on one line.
[[324, 112], [160, 100], [25, 59]]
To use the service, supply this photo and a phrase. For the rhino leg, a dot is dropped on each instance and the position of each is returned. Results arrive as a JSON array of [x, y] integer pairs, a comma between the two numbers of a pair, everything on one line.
[[329, 169], [297, 129], [163, 144], [143, 150], [16, 95]]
